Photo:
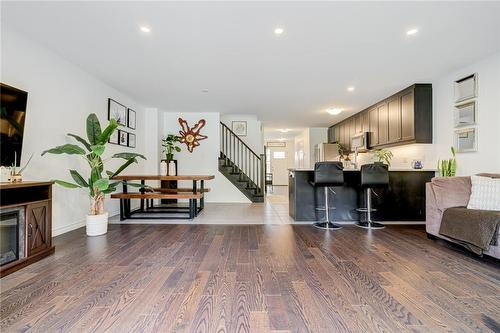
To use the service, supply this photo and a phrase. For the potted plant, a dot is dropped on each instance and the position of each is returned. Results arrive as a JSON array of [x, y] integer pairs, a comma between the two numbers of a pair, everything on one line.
[[97, 184], [16, 175], [383, 156], [448, 168], [170, 146]]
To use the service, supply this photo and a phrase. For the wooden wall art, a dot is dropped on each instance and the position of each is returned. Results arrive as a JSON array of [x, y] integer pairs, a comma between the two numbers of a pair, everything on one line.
[[191, 136]]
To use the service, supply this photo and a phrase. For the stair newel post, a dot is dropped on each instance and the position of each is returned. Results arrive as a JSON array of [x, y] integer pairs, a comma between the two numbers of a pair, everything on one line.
[[262, 173]]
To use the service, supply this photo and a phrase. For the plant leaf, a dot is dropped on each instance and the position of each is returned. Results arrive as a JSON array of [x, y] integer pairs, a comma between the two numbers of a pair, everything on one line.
[[93, 129], [78, 178], [102, 184], [123, 167], [128, 156], [98, 149], [81, 140], [108, 131], [65, 184], [66, 149]]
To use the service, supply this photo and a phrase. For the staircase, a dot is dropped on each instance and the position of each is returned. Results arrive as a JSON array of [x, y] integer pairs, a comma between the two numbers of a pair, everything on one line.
[[241, 165]]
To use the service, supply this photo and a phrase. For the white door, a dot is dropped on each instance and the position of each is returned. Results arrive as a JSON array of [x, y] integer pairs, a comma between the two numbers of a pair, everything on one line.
[[279, 166]]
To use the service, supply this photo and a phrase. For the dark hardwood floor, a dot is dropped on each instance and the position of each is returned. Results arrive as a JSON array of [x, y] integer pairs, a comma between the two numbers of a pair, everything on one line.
[[257, 278]]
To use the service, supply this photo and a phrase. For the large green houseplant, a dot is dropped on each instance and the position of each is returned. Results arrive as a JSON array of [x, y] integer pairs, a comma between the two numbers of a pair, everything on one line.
[[97, 182], [170, 146]]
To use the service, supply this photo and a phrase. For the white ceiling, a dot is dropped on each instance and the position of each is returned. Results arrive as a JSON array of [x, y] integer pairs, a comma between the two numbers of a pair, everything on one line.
[[230, 49]]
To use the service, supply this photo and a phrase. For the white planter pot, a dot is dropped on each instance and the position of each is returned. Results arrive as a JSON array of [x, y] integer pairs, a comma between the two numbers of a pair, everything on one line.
[[97, 224]]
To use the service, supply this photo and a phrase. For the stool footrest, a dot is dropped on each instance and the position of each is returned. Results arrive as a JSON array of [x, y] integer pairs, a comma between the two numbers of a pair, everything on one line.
[[365, 210], [323, 208]]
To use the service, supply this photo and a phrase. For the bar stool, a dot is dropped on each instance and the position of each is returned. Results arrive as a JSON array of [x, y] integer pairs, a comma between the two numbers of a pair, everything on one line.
[[372, 176], [326, 175]]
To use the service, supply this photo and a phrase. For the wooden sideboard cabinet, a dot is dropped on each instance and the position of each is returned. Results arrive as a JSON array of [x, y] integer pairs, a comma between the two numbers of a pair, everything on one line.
[[25, 224]]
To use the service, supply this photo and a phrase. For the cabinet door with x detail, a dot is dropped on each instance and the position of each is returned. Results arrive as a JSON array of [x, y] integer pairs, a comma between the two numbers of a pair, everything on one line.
[[37, 216]]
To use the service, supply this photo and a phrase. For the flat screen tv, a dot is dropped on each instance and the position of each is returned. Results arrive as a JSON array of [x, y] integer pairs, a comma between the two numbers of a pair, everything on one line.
[[13, 114]]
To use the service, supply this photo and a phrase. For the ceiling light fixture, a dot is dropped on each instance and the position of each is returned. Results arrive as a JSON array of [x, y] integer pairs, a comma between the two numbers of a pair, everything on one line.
[[350, 89], [279, 31], [412, 31], [204, 90], [145, 29], [334, 111], [284, 130]]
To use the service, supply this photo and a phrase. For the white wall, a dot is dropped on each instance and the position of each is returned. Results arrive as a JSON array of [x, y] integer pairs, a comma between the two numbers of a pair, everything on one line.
[[204, 158], [305, 143], [255, 135], [60, 96]]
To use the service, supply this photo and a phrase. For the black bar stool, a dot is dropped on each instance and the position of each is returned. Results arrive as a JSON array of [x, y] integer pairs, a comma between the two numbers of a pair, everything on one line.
[[326, 175], [372, 176]]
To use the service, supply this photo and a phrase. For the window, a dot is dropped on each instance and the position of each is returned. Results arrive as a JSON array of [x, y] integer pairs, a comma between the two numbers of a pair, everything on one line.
[[279, 155]]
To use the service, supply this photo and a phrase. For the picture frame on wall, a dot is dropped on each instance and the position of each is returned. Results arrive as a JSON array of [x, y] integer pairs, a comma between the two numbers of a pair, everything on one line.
[[114, 138], [466, 88], [465, 114], [466, 140], [131, 140], [123, 138], [239, 128], [117, 111], [131, 119]]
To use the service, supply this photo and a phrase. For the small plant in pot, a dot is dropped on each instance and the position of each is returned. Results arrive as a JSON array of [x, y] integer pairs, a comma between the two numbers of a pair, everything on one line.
[[97, 184], [383, 156], [448, 168], [170, 146]]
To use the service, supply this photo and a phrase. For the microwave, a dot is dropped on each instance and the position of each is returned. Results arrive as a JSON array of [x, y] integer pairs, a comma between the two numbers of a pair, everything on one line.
[[360, 142]]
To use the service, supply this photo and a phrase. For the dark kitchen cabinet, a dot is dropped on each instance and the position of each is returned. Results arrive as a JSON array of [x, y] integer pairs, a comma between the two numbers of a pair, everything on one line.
[[407, 116], [358, 123], [383, 124], [373, 125], [37, 227], [394, 112]]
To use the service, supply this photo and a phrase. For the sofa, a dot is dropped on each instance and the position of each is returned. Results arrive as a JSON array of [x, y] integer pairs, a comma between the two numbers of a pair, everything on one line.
[[446, 192]]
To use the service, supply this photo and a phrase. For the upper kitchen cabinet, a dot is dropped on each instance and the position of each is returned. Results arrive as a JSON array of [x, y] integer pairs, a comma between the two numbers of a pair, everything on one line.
[[405, 117]]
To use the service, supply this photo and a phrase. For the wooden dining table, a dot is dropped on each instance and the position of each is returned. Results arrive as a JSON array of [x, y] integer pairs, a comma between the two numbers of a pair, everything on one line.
[[196, 189]]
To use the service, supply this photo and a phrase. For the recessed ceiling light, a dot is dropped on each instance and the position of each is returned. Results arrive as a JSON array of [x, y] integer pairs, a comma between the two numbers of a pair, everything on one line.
[[204, 90], [284, 130], [281, 139], [412, 31], [279, 31], [334, 111], [350, 89], [145, 29]]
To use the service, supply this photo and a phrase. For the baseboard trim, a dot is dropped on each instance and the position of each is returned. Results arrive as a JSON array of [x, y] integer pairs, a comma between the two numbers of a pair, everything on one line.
[[76, 225]]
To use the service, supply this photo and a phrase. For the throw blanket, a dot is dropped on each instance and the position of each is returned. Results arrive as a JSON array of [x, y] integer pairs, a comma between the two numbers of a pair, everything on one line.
[[474, 229]]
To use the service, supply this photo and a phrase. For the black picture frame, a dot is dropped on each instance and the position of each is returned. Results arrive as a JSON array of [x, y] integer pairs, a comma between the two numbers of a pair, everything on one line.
[[131, 140], [131, 119], [117, 111], [115, 137], [123, 138]]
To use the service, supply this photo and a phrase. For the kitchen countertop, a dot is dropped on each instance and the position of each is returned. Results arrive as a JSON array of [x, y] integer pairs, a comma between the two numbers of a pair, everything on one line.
[[390, 169]]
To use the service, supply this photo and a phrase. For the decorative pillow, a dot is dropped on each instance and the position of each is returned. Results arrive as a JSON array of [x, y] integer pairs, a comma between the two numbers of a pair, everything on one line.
[[485, 193]]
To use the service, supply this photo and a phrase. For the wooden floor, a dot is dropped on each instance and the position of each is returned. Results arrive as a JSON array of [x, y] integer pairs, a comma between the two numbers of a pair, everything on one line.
[[258, 278]]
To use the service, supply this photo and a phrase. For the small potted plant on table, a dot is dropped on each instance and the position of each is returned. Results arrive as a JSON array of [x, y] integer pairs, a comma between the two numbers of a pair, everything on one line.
[[169, 144], [383, 156], [97, 184]]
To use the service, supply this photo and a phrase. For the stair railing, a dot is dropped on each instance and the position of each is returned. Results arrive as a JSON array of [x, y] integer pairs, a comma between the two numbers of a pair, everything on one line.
[[243, 158]]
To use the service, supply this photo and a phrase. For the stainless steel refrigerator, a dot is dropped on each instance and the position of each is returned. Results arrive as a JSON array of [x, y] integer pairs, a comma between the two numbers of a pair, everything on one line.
[[326, 152]]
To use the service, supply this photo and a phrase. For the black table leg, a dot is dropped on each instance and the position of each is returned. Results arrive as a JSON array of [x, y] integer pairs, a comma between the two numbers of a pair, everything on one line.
[[122, 217], [195, 201], [126, 201], [202, 190], [142, 190]]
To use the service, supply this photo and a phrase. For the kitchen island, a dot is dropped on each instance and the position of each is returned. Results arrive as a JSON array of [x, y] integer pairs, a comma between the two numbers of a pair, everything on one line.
[[402, 201]]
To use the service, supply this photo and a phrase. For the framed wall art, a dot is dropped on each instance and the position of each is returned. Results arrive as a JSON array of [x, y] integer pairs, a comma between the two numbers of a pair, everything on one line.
[[131, 119], [123, 138], [466, 139], [131, 140], [117, 111], [239, 128], [114, 137], [465, 114]]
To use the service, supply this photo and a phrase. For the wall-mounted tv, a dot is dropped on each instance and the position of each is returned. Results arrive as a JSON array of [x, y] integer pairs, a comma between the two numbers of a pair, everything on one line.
[[12, 117]]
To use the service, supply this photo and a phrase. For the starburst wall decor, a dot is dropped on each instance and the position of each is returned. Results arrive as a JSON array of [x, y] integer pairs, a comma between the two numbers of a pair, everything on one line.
[[191, 136]]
